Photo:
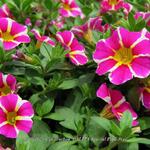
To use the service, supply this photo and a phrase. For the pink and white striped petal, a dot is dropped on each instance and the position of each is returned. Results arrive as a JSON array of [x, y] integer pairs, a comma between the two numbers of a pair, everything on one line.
[[140, 67], [65, 37], [120, 75], [103, 92]]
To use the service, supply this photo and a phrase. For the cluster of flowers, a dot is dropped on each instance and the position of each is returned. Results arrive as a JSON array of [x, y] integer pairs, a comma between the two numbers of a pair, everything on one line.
[[124, 54], [15, 113]]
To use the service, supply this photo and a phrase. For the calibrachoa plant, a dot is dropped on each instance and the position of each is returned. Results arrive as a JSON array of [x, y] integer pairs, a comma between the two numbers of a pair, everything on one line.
[[74, 74]]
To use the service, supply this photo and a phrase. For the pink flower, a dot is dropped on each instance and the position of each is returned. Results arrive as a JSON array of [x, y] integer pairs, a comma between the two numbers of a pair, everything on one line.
[[85, 30], [38, 23], [59, 22], [7, 84], [76, 50], [69, 8], [125, 54], [42, 39], [15, 115], [144, 15], [12, 33], [115, 5], [28, 22], [5, 12], [145, 96], [116, 103]]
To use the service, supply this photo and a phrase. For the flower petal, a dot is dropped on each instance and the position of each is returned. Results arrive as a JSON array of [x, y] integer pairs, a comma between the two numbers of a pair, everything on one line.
[[141, 67], [105, 66], [24, 125], [8, 45], [102, 51], [120, 75], [142, 47], [9, 102], [8, 131], [25, 109], [103, 92], [128, 37]]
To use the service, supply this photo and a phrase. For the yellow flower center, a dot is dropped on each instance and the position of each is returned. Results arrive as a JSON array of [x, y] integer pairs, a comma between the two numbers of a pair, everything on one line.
[[124, 56], [11, 117], [6, 36], [5, 90], [66, 7], [107, 112], [113, 2], [88, 36]]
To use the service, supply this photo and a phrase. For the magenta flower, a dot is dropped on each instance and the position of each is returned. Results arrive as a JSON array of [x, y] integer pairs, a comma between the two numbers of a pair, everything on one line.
[[59, 22], [145, 96], [15, 115], [12, 33], [69, 8], [144, 92], [144, 15], [7, 84], [86, 29], [5, 12], [28, 22], [125, 55], [76, 50], [115, 5], [117, 104], [42, 39]]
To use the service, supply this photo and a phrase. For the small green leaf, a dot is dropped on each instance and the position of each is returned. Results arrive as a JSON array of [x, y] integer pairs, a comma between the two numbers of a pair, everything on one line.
[[68, 84], [22, 142], [103, 122], [139, 140], [45, 108], [126, 121]]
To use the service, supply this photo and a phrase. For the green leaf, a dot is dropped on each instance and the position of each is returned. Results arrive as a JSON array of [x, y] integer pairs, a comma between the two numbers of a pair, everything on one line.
[[144, 123], [126, 121], [115, 129], [48, 4], [45, 50], [62, 145], [139, 140], [45, 108], [103, 122], [68, 118], [131, 20], [95, 132], [133, 146], [68, 84], [22, 141], [40, 128]]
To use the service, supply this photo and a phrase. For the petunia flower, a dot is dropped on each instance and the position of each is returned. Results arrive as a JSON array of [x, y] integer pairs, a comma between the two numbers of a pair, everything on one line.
[[115, 5], [28, 22], [12, 33], [125, 55], [117, 104], [7, 84], [145, 96], [5, 12], [38, 23], [76, 50], [144, 92], [144, 15], [15, 115], [59, 22], [42, 39], [86, 29], [69, 8]]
